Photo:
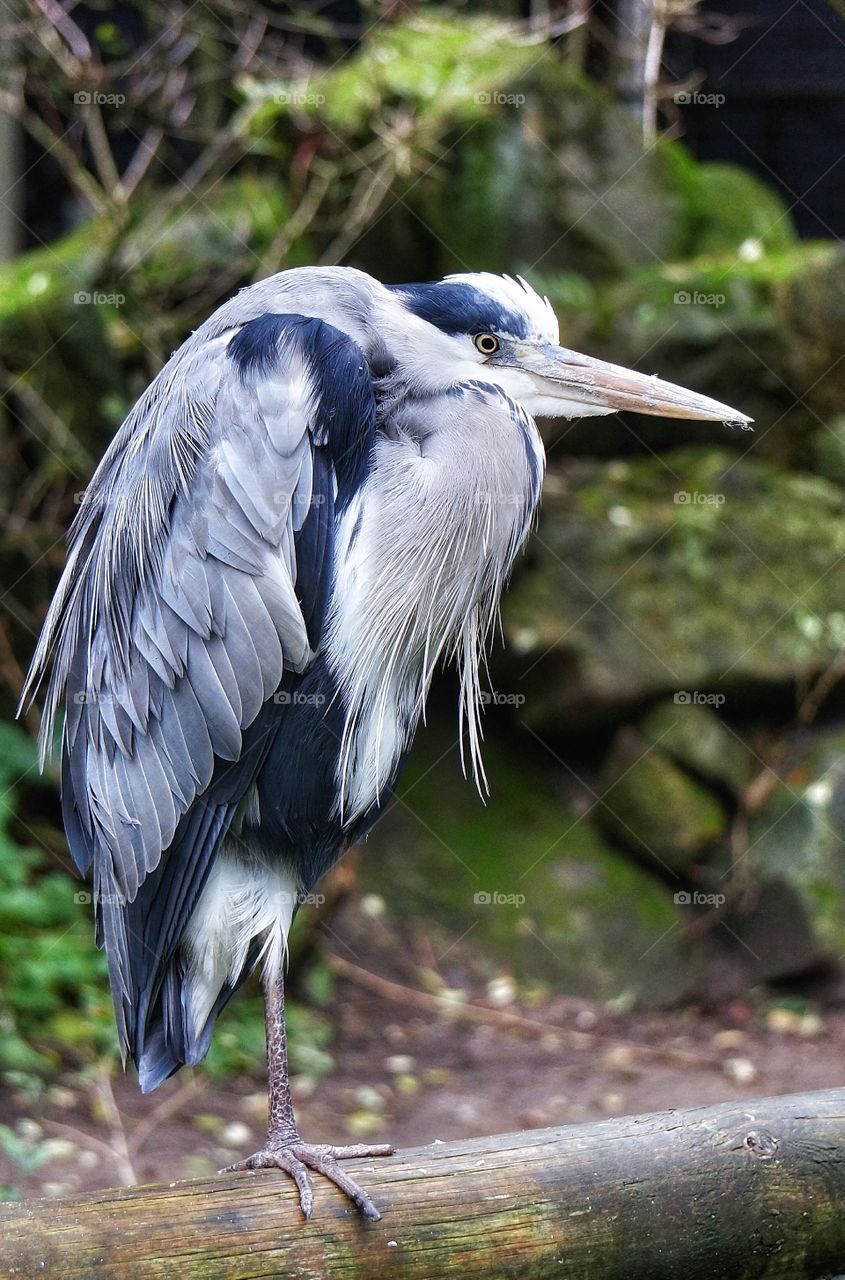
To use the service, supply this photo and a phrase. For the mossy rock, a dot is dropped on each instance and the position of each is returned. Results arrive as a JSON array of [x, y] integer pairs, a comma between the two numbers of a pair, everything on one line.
[[799, 836], [829, 449], [811, 306], [550, 180], [695, 573], [692, 734], [654, 808], [527, 882], [538, 164], [730, 210]]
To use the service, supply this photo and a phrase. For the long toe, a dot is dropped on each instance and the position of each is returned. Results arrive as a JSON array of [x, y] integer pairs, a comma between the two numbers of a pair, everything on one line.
[[357, 1150], [324, 1160], [296, 1157]]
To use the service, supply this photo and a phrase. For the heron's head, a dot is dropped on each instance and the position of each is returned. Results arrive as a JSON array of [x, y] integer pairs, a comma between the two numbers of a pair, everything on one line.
[[487, 328]]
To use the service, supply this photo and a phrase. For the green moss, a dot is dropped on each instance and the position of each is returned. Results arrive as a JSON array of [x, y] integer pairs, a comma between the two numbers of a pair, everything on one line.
[[694, 573], [438, 67], [693, 735], [726, 208], [650, 805], [532, 884], [799, 836]]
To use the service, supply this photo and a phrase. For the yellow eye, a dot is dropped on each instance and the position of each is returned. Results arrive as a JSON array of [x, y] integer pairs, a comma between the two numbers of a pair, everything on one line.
[[487, 343]]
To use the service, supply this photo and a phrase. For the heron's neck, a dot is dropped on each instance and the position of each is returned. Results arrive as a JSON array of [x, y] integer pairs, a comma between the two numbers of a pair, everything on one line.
[[422, 555]]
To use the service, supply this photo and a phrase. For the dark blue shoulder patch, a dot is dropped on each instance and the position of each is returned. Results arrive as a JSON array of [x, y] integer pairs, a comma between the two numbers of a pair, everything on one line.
[[346, 416], [255, 348], [455, 307]]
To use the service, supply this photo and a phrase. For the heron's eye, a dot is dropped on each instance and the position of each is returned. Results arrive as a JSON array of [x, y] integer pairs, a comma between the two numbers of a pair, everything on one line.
[[487, 343]]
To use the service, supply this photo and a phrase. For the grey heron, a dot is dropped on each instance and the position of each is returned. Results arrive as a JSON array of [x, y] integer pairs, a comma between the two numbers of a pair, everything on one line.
[[318, 498]]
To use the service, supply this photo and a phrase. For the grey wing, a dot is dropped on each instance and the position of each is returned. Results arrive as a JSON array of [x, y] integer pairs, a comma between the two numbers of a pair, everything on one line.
[[183, 601]]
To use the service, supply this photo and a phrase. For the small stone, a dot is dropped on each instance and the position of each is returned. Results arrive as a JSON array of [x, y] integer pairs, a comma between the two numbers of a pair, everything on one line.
[[789, 1022], [29, 1128], [58, 1149], [522, 639], [740, 1070], [612, 1103], [586, 1019], [254, 1104], [784, 1022], [450, 996], [407, 1084], [373, 906], [369, 1098], [501, 990], [362, 1123], [88, 1159], [302, 1086], [235, 1134], [619, 1056], [730, 1038], [436, 1075], [61, 1097], [207, 1122], [811, 1025], [399, 1063]]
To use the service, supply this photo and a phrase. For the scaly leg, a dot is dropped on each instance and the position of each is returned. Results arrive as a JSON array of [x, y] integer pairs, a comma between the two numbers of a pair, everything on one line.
[[284, 1149]]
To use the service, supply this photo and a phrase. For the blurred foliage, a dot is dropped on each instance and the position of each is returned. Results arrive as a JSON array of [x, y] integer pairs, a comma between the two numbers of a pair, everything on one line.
[[53, 982], [249, 141]]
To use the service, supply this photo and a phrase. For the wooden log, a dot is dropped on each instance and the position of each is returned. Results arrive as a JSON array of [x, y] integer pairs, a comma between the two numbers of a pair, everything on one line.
[[724, 1192]]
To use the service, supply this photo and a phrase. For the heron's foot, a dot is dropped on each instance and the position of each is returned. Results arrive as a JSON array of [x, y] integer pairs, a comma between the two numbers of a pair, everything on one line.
[[290, 1153]]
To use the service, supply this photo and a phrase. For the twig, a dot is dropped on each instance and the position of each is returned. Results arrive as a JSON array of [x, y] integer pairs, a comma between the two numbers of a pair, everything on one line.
[[581, 1040], [74, 171], [114, 1120], [299, 221], [145, 153], [812, 703], [165, 1109]]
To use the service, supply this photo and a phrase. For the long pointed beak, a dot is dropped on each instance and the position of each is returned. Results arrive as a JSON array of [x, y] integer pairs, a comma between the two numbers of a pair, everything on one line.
[[560, 374]]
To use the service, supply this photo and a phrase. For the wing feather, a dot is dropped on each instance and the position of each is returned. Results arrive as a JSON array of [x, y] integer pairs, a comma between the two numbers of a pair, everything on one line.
[[199, 569]]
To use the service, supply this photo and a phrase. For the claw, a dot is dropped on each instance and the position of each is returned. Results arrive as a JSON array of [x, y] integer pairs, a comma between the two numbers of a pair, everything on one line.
[[293, 1157]]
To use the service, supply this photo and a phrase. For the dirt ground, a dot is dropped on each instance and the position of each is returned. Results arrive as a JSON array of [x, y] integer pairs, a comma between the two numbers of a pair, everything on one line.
[[415, 1063]]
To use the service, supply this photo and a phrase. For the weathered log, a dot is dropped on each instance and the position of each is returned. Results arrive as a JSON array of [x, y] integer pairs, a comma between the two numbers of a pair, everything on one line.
[[712, 1193]]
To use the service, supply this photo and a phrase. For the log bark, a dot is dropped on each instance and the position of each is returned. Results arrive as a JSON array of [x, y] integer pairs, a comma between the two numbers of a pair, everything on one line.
[[725, 1192]]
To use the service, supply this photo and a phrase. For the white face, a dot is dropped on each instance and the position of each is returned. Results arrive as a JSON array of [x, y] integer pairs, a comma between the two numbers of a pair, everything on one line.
[[486, 328], [430, 358]]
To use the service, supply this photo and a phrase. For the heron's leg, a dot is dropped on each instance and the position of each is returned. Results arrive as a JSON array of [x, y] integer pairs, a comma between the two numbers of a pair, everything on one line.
[[284, 1149]]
